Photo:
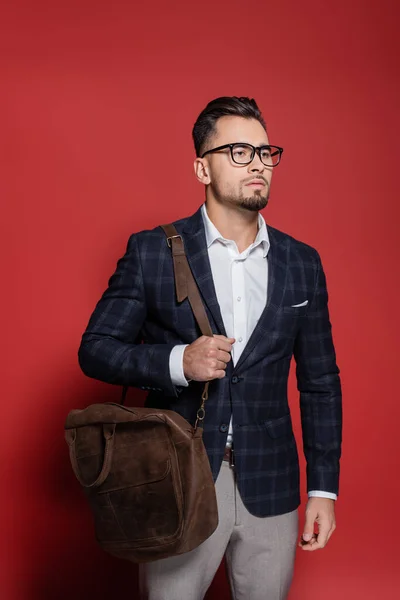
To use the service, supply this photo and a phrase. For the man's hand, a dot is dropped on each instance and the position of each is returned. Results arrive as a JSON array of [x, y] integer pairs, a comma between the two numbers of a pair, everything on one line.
[[321, 511], [207, 357]]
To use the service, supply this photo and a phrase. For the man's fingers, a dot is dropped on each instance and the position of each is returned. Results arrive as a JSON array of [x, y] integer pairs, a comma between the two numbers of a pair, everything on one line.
[[332, 529], [220, 374], [220, 365], [309, 525], [303, 543], [319, 540], [323, 533], [225, 357], [207, 358], [224, 343]]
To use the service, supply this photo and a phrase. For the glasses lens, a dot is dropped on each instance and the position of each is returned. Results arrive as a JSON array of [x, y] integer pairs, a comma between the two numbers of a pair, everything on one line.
[[270, 156], [242, 153]]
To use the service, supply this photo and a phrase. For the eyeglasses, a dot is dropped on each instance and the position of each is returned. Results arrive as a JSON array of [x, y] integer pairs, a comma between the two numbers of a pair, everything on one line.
[[243, 154]]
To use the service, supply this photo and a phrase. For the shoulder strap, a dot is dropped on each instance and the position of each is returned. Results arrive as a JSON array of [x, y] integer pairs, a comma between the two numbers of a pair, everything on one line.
[[186, 287], [185, 284]]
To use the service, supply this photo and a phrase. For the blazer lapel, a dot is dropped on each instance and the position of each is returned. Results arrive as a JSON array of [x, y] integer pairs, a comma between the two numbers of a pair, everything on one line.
[[194, 240], [277, 274]]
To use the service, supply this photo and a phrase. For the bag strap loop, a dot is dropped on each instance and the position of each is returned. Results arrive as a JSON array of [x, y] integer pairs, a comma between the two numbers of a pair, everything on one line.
[[108, 433]]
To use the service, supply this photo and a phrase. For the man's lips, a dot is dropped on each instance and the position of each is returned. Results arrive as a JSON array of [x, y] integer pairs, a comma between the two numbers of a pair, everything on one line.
[[256, 182]]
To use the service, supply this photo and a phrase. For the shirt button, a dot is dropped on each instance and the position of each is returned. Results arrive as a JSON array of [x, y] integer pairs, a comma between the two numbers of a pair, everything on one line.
[[238, 298], [240, 340], [223, 427]]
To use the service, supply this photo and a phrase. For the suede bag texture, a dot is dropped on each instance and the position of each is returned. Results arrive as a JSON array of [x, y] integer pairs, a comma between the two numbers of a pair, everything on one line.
[[145, 471], [147, 477]]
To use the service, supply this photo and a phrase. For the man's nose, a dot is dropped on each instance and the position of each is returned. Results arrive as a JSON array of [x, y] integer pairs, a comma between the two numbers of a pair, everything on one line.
[[256, 164]]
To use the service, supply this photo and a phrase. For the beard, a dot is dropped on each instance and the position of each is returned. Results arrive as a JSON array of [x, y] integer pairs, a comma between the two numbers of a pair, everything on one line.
[[256, 202]]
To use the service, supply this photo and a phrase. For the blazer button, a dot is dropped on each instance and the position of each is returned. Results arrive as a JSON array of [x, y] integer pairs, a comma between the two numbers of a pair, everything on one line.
[[223, 427], [235, 379]]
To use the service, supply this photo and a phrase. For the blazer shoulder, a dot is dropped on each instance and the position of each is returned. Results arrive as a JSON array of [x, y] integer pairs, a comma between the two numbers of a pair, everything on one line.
[[303, 250], [154, 235]]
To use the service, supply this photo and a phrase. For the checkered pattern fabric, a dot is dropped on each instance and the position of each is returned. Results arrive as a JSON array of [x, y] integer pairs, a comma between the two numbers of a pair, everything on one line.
[[137, 322]]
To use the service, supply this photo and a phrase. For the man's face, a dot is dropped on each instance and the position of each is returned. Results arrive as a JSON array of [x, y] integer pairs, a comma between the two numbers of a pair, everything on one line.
[[244, 186]]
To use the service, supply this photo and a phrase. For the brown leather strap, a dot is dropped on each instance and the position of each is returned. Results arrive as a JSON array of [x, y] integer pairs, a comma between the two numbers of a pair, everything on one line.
[[185, 284], [186, 287], [109, 436]]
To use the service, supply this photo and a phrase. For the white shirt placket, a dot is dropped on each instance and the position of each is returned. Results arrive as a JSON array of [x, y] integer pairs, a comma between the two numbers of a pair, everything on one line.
[[239, 319]]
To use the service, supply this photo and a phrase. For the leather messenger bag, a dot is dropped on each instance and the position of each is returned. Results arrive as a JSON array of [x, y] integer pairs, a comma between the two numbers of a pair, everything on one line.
[[145, 471]]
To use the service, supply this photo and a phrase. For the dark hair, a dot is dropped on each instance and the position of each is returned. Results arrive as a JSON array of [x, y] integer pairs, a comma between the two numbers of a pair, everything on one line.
[[205, 125]]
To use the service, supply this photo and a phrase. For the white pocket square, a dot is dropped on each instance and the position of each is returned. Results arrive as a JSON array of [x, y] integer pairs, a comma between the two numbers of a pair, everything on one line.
[[301, 304]]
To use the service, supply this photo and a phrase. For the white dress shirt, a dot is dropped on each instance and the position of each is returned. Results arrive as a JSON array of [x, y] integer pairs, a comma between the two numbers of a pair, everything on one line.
[[240, 281]]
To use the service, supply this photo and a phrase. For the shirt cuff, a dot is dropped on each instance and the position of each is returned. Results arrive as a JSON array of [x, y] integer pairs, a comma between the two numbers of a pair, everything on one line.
[[176, 365], [320, 494]]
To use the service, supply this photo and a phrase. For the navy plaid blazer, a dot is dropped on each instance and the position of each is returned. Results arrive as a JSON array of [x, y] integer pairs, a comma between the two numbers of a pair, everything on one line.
[[138, 321]]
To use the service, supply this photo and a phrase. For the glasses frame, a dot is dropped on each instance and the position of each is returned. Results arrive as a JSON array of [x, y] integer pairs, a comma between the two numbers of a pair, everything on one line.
[[255, 149]]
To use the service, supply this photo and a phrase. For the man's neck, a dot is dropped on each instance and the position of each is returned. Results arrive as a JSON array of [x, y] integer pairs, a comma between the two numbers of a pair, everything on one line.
[[234, 223]]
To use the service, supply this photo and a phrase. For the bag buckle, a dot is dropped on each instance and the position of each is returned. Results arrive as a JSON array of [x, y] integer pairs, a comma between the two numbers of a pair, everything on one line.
[[171, 237]]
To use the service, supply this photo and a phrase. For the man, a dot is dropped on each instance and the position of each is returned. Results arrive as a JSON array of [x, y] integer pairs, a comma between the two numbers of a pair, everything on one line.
[[266, 298]]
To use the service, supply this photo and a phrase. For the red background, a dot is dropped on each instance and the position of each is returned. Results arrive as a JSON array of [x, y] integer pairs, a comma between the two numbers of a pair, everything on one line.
[[97, 107]]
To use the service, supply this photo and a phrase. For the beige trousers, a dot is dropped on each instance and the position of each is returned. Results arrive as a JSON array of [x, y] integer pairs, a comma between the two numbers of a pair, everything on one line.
[[259, 553]]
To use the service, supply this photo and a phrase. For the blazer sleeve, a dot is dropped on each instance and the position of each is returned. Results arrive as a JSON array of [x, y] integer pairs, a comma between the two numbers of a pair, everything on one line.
[[111, 348], [320, 391]]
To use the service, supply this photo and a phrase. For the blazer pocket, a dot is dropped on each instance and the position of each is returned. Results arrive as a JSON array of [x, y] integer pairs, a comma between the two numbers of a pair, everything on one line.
[[300, 304], [295, 311], [279, 427]]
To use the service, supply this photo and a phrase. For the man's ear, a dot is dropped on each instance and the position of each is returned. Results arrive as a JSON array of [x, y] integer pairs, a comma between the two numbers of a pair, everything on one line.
[[201, 170]]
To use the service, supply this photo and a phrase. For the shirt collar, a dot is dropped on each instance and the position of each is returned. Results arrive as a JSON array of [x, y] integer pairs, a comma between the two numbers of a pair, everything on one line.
[[212, 233]]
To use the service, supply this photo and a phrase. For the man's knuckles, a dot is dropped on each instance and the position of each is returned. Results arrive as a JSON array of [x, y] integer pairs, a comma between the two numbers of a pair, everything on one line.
[[211, 352]]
